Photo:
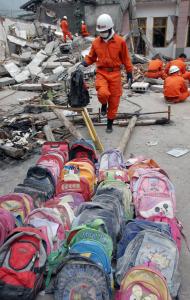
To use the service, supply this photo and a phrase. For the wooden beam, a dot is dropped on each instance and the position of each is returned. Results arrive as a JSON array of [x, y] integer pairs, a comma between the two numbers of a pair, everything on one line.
[[125, 139]]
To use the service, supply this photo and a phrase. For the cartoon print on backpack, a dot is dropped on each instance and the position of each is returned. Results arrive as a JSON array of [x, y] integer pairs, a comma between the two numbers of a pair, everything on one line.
[[83, 292], [137, 294], [163, 208]]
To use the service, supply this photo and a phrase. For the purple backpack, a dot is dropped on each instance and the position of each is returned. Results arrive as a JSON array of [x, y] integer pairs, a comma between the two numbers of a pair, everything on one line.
[[7, 224], [153, 194]]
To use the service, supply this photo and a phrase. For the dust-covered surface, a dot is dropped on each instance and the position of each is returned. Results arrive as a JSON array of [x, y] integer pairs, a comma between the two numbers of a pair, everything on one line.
[[175, 135]]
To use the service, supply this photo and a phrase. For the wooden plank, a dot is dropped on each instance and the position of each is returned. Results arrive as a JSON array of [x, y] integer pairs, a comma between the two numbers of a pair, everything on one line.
[[125, 138], [48, 133]]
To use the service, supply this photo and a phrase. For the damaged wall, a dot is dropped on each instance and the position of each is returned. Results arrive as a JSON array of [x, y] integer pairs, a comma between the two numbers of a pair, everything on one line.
[[152, 10]]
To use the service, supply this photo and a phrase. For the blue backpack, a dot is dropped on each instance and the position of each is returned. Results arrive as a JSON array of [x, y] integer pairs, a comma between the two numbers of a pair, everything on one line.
[[80, 278], [133, 227], [94, 251]]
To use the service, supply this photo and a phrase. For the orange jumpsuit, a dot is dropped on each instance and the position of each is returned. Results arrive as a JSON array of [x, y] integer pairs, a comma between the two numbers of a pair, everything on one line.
[[175, 88], [109, 56], [186, 76], [84, 31], [65, 30], [155, 69], [179, 62]]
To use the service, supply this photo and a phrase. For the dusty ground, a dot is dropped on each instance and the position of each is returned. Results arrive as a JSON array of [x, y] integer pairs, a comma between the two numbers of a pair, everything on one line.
[[168, 137]]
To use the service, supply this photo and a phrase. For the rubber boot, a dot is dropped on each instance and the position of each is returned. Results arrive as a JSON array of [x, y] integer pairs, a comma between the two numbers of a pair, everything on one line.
[[109, 128], [104, 109]]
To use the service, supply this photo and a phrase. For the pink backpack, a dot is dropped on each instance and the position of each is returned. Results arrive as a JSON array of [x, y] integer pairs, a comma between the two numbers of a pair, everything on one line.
[[153, 194], [7, 224], [50, 222]]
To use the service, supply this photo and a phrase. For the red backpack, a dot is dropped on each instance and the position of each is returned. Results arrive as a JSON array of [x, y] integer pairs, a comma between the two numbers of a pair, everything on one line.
[[22, 263]]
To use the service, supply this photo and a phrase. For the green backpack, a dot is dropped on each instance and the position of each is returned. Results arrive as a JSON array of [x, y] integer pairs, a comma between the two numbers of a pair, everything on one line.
[[94, 231]]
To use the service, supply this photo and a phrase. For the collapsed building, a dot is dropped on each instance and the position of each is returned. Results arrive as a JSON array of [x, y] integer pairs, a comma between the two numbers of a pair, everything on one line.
[[165, 23]]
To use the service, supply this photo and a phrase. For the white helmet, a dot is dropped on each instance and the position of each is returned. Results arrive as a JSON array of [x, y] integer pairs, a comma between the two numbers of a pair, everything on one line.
[[82, 22], [65, 17], [104, 22], [173, 69]]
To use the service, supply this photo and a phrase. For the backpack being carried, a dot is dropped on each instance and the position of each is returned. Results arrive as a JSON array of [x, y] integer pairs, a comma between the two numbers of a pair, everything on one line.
[[22, 263], [153, 194], [78, 95]]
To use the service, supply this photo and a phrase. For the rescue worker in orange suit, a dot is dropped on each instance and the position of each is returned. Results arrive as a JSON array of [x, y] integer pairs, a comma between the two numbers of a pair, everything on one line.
[[186, 76], [155, 68], [175, 87], [84, 31], [179, 62], [109, 52], [65, 29]]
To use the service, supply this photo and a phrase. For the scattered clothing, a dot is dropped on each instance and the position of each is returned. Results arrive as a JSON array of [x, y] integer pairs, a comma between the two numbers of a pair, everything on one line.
[[175, 88]]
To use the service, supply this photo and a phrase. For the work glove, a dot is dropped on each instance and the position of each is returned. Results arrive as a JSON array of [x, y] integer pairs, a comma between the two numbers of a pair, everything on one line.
[[129, 77], [84, 64]]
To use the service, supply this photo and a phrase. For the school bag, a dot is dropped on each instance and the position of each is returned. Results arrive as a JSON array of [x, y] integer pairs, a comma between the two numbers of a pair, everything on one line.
[[175, 228], [22, 263], [85, 170], [111, 159], [94, 251], [81, 278], [83, 149], [153, 194], [7, 224], [133, 227], [155, 249], [93, 231], [73, 182], [90, 211], [38, 196], [57, 147], [72, 198], [107, 199], [140, 162], [78, 95], [19, 204], [53, 224], [143, 283], [118, 187]]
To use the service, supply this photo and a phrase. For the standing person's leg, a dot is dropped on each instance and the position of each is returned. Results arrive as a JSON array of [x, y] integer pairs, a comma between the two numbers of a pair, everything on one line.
[[65, 37], [115, 88], [102, 91], [70, 35]]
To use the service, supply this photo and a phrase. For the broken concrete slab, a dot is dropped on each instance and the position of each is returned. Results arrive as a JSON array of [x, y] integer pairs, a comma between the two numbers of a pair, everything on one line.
[[157, 88], [140, 87], [3, 71], [38, 59], [53, 65], [16, 40], [22, 76], [49, 48], [37, 86], [58, 70], [2, 50], [12, 69], [6, 81]]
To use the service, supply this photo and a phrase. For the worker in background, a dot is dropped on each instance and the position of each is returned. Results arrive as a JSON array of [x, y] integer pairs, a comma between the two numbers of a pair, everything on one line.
[[179, 62], [155, 68], [65, 29], [109, 52], [84, 31], [175, 87]]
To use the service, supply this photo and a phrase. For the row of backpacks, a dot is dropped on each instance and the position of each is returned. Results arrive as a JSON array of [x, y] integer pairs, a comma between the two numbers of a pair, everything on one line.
[[123, 244], [35, 218]]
